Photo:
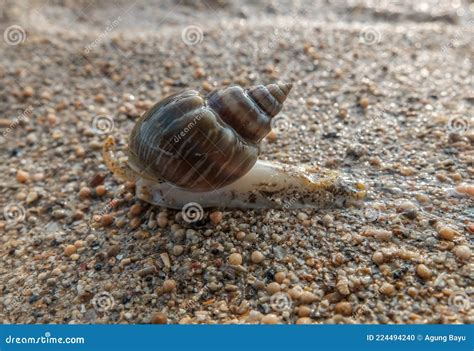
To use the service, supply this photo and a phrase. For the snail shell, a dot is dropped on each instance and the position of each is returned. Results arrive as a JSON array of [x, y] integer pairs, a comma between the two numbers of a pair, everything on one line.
[[202, 143]]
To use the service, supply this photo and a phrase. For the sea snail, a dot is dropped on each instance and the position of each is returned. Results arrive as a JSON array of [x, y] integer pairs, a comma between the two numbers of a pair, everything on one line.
[[204, 149]]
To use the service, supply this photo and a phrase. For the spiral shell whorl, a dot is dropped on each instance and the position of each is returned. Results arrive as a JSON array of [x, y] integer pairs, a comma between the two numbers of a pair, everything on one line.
[[249, 112], [203, 144]]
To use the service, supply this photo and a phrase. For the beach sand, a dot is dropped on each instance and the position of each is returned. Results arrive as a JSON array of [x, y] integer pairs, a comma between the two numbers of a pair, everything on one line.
[[383, 92]]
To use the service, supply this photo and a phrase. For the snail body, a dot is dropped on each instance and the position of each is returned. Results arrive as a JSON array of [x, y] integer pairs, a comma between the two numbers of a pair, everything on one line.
[[204, 149]]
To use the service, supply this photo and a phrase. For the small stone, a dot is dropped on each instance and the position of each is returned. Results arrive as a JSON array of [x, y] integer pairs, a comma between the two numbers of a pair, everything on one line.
[[85, 193], [377, 257], [22, 176], [273, 288], [270, 319], [100, 190], [304, 311], [235, 259], [343, 308], [106, 220], [257, 257], [113, 251], [271, 137], [364, 102], [387, 289], [280, 277], [462, 252], [31, 197], [169, 285], [307, 297], [162, 221], [159, 318], [304, 320], [28, 92], [215, 217], [240, 235], [75, 257], [447, 233], [177, 250], [136, 209], [302, 216], [69, 250], [465, 189], [327, 220], [423, 272]]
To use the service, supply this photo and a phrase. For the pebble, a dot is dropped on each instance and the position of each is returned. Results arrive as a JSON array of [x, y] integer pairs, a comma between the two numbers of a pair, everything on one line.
[[257, 257], [169, 285], [423, 272], [273, 288], [377, 257], [101, 190], [462, 252], [379, 234], [447, 233], [31, 197], [69, 250], [106, 220], [22, 176], [177, 250], [159, 318], [307, 297], [280, 277], [387, 289], [302, 216], [304, 311], [270, 319], [364, 102], [343, 308], [215, 217], [235, 259], [304, 320], [465, 189], [85, 193], [136, 209]]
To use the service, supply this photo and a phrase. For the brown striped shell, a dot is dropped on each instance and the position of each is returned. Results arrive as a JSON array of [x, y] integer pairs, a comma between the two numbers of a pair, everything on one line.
[[203, 143]]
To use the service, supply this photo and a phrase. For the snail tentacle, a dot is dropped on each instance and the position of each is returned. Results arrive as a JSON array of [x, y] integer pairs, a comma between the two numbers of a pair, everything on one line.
[[120, 169]]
